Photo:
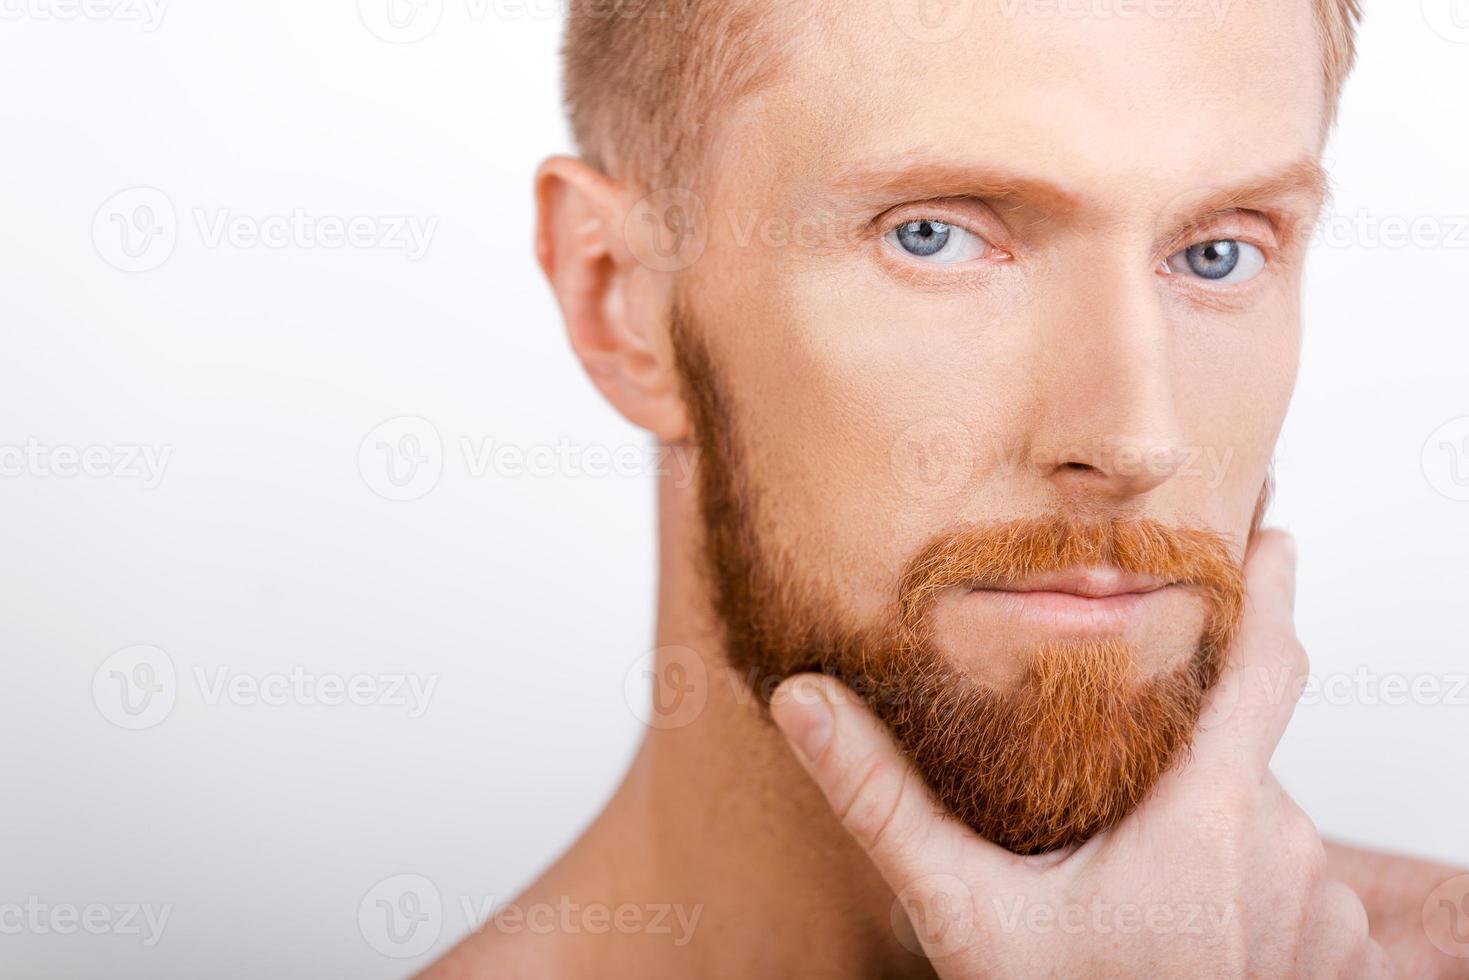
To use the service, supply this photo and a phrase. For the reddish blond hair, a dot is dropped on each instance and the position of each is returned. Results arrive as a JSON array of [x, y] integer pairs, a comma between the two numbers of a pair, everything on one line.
[[643, 76]]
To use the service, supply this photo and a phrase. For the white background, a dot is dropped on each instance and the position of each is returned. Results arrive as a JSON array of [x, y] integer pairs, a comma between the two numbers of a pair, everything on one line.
[[527, 599]]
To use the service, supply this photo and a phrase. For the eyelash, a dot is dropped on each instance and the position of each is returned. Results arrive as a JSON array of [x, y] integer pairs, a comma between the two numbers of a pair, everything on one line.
[[939, 214], [995, 253]]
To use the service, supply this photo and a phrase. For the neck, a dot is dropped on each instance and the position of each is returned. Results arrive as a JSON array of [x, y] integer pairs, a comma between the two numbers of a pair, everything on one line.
[[717, 822]]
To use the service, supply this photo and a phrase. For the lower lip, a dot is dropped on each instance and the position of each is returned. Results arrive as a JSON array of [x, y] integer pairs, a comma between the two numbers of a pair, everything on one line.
[[1070, 613]]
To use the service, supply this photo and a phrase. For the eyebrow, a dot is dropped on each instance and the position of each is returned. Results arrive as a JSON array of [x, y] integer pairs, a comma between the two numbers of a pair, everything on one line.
[[916, 177], [1305, 178]]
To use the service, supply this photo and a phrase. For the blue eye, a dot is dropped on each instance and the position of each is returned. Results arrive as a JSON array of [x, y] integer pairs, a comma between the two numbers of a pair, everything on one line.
[[1224, 261], [937, 241]]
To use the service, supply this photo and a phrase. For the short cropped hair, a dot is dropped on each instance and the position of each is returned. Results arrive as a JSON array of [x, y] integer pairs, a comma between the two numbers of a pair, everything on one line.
[[642, 77]]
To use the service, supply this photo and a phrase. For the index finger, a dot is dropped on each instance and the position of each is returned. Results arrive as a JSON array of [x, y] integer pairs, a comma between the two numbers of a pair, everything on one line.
[[873, 789]]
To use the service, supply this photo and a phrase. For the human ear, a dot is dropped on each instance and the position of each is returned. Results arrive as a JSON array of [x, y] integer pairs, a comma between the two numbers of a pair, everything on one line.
[[616, 308]]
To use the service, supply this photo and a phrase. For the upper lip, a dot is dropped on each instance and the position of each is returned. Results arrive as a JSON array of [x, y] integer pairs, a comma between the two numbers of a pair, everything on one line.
[[1090, 583]]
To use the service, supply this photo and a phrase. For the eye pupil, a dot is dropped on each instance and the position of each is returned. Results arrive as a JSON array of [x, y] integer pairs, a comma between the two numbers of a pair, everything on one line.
[[1214, 260], [923, 238]]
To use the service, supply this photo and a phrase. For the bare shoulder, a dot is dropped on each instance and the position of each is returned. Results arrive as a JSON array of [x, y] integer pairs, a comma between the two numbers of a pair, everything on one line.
[[1418, 909], [490, 953]]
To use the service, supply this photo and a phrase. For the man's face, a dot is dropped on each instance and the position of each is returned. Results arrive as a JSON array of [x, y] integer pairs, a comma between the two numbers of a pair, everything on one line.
[[1011, 275], [1040, 361]]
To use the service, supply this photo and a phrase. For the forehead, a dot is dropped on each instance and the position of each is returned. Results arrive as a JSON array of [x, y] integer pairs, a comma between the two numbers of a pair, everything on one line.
[[1104, 98]]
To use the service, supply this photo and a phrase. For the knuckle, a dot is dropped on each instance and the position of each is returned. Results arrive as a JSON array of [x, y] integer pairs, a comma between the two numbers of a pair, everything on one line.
[[1301, 844], [871, 809], [1344, 909], [1295, 655]]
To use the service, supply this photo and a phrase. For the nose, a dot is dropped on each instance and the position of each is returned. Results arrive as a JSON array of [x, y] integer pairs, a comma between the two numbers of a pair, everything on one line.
[[1104, 420]]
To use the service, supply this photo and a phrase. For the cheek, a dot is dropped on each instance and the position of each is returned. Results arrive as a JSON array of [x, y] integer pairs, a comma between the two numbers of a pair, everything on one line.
[[1234, 376], [860, 434]]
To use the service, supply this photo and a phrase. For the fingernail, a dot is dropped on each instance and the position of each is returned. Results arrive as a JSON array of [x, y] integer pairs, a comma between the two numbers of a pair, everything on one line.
[[802, 711]]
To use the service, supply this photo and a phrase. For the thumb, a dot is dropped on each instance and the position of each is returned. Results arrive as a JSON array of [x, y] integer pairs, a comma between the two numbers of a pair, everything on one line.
[[882, 802]]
